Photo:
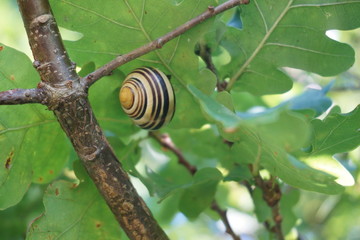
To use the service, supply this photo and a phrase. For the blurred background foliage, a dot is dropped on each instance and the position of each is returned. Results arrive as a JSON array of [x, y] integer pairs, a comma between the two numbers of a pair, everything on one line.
[[317, 216]]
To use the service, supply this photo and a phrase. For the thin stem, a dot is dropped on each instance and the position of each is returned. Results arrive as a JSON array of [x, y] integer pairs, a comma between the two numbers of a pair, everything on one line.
[[158, 43], [22, 96], [165, 141], [223, 216], [205, 54]]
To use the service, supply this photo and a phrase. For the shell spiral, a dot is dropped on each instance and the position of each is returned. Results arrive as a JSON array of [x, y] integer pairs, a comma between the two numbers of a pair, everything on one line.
[[147, 97]]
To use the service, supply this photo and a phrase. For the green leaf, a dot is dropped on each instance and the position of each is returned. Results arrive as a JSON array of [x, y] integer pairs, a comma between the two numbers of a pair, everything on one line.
[[169, 181], [266, 153], [336, 133], [331, 166], [287, 129], [270, 40], [287, 203], [313, 99], [239, 174], [74, 212], [33, 146], [215, 111], [15, 220], [203, 149], [262, 210], [199, 196], [265, 138], [298, 174], [225, 99], [117, 27]]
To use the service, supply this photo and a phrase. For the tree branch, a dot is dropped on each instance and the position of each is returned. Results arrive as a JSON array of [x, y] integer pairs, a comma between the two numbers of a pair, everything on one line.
[[22, 96], [165, 141], [51, 58], [158, 43]]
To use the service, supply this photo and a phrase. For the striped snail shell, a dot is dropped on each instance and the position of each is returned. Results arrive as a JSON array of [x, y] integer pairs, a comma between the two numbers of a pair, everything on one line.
[[148, 98]]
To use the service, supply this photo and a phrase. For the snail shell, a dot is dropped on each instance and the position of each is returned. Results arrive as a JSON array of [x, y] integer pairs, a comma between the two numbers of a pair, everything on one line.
[[148, 98]]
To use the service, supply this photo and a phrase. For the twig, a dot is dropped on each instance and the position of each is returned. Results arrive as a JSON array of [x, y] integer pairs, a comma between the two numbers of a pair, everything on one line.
[[22, 96], [271, 195], [223, 216], [158, 43], [205, 54], [165, 141]]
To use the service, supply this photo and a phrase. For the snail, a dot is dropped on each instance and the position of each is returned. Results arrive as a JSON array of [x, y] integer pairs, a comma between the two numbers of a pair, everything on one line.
[[147, 97]]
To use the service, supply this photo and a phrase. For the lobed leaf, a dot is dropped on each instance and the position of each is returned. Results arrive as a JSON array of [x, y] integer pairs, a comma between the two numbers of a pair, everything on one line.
[[287, 33], [336, 133]]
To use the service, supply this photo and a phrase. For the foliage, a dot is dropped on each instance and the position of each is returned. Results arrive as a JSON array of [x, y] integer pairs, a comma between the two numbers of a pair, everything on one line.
[[298, 140]]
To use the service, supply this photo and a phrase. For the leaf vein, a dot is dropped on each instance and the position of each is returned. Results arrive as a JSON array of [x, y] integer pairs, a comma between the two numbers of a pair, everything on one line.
[[259, 47], [100, 15], [323, 4], [306, 49], [262, 16]]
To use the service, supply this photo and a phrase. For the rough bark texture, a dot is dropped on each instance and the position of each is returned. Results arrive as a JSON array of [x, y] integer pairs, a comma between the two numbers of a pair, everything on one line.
[[21, 96], [67, 97]]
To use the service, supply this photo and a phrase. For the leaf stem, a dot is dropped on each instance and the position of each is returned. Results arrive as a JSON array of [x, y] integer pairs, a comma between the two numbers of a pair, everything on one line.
[[159, 42]]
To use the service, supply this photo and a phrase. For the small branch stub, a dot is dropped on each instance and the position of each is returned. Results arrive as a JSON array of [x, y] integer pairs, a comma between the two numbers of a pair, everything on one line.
[[22, 96]]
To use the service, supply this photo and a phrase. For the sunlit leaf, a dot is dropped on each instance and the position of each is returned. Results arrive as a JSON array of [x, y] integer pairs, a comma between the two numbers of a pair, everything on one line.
[[336, 133]]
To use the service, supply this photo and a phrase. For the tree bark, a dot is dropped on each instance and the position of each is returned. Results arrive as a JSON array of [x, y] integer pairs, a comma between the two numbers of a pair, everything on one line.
[[67, 97]]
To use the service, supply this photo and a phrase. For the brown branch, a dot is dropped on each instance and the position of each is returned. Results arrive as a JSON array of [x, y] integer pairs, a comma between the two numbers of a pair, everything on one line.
[[68, 99], [22, 96], [51, 58], [165, 141], [158, 43], [271, 195], [223, 216]]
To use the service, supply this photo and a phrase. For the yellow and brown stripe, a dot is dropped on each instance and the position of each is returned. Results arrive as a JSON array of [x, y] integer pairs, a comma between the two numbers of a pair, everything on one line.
[[148, 98]]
